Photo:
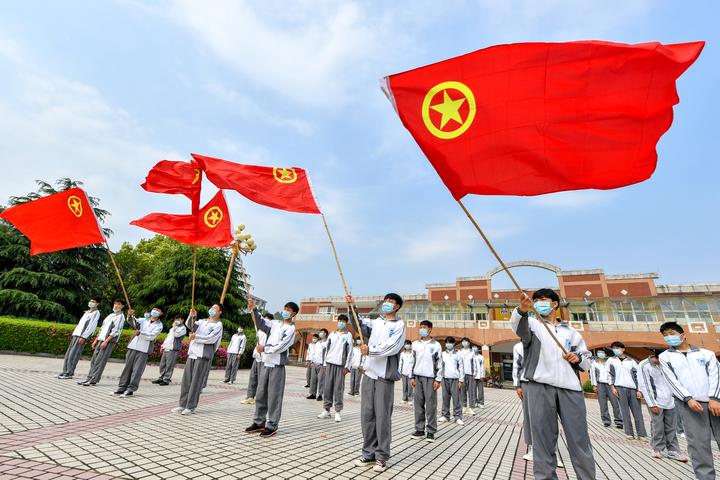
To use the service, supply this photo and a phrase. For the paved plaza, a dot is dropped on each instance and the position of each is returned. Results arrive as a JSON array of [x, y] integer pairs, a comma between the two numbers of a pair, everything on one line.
[[56, 429]]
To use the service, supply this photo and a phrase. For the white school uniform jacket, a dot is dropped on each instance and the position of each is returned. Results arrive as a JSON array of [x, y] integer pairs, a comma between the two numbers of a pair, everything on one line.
[[149, 330], [654, 387], [479, 365], [356, 358], [309, 352], [339, 349], [207, 338], [318, 355], [599, 372], [543, 360], [406, 363], [468, 364], [173, 340], [111, 327], [428, 359], [237, 344], [517, 369], [385, 339], [452, 365], [261, 337], [87, 324], [280, 337], [622, 372], [692, 375]]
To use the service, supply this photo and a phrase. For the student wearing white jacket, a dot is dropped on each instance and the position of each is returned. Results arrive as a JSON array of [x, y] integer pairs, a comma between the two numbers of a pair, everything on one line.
[[355, 372], [308, 360], [453, 375], [234, 352], [170, 348], [317, 378], [85, 327], [661, 406], [467, 395], [601, 386], [146, 331], [693, 376], [337, 365], [427, 379], [553, 385], [257, 365], [479, 366], [104, 344], [405, 368], [622, 376]]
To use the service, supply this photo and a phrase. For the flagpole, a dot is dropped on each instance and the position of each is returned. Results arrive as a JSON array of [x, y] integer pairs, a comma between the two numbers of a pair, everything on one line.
[[192, 292], [507, 270], [229, 272], [355, 316], [117, 272]]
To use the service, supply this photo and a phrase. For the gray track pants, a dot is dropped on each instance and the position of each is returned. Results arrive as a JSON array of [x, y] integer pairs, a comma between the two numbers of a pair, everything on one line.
[[308, 374], [604, 394], [630, 405], [546, 404], [231, 367], [407, 388], [72, 355], [376, 407], [355, 377], [255, 370], [334, 388], [135, 362], [98, 361], [479, 392], [167, 364], [425, 403], [194, 376], [527, 428], [468, 391], [663, 431], [317, 380], [450, 391], [700, 429], [269, 398]]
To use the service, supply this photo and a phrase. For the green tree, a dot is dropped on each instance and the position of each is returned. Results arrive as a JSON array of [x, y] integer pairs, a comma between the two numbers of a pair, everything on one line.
[[52, 286]]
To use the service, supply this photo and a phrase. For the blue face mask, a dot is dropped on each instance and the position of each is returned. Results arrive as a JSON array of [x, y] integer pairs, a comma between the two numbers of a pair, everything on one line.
[[601, 355], [449, 346], [387, 307], [673, 340], [92, 304], [543, 307], [147, 315], [211, 312], [474, 349], [155, 313], [407, 347], [423, 332], [321, 334], [617, 352], [342, 325], [465, 344], [285, 314]]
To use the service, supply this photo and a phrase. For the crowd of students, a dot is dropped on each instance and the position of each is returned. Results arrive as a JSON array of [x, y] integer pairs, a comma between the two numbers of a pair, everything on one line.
[[680, 386]]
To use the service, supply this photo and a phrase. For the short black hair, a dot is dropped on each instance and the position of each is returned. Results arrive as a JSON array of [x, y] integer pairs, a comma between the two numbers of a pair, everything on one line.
[[157, 308], [426, 323], [465, 339], [408, 342], [269, 316], [450, 340], [547, 293], [315, 335], [292, 306], [396, 298], [671, 326], [343, 317], [617, 344], [324, 330], [95, 299], [222, 309], [119, 300]]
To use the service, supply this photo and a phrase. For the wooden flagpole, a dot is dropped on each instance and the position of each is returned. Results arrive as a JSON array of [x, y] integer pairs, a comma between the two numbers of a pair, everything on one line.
[[192, 292], [229, 272], [117, 272]]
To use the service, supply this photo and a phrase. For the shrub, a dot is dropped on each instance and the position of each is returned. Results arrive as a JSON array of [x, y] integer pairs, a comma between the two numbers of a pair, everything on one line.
[[587, 386]]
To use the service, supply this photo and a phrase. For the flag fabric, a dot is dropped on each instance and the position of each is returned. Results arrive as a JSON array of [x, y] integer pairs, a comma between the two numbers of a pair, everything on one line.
[[285, 188], [209, 227], [175, 177], [534, 118], [56, 222]]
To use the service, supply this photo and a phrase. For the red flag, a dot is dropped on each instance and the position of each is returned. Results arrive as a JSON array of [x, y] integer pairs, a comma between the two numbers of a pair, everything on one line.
[[56, 222], [210, 227], [277, 187], [171, 176], [534, 118]]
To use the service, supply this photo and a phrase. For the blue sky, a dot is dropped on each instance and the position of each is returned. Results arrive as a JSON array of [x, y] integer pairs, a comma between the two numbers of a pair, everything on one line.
[[101, 91]]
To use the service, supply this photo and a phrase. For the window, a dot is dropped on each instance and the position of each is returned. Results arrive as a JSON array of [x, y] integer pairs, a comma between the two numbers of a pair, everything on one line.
[[330, 310], [417, 311], [634, 311], [686, 310], [443, 312]]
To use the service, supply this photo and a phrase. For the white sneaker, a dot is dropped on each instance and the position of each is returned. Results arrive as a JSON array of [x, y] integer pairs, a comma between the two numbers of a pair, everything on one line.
[[482, 405], [460, 422], [337, 417], [682, 435], [560, 463], [443, 420], [471, 412], [528, 457], [251, 401], [324, 414], [380, 466], [177, 410], [187, 411]]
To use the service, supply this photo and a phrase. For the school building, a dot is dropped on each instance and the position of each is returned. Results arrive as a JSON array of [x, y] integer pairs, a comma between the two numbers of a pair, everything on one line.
[[604, 308]]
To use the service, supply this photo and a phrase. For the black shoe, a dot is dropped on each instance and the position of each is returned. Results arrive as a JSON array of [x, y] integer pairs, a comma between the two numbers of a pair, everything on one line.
[[118, 392], [164, 383], [606, 425], [619, 426], [430, 437], [364, 462], [310, 397], [255, 428], [83, 382], [226, 381], [157, 382], [92, 384], [319, 398], [268, 432], [307, 386], [418, 435]]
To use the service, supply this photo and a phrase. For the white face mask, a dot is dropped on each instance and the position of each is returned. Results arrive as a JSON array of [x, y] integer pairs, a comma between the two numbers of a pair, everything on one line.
[[117, 309]]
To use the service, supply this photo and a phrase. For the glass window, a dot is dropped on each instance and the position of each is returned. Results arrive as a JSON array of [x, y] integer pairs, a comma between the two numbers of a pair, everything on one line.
[[634, 311], [443, 312], [417, 311], [687, 309]]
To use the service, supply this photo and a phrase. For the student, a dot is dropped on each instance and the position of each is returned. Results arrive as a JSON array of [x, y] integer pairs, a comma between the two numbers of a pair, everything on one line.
[[553, 385], [104, 343], [479, 366], [453, 376], [146, 331], [520, 384], [85, 327], [661, 406], [467, 395], [204, 342], [692, 374], [426, 379], [337, 365], [599, 380], [317, 380], [257, 365], [385, 337], [405, 368], [308, 360], [234, 352], [170, 348], [355, 373], [622, 376], [271, 384]]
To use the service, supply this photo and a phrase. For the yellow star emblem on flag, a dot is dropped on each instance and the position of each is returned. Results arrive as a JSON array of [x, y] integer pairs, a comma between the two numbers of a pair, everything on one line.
[[75, 205], [455, 95], [213, 217], [285, 175]]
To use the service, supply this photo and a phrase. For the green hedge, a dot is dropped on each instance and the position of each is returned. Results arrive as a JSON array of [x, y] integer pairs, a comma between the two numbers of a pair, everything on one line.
[[37, 336]]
